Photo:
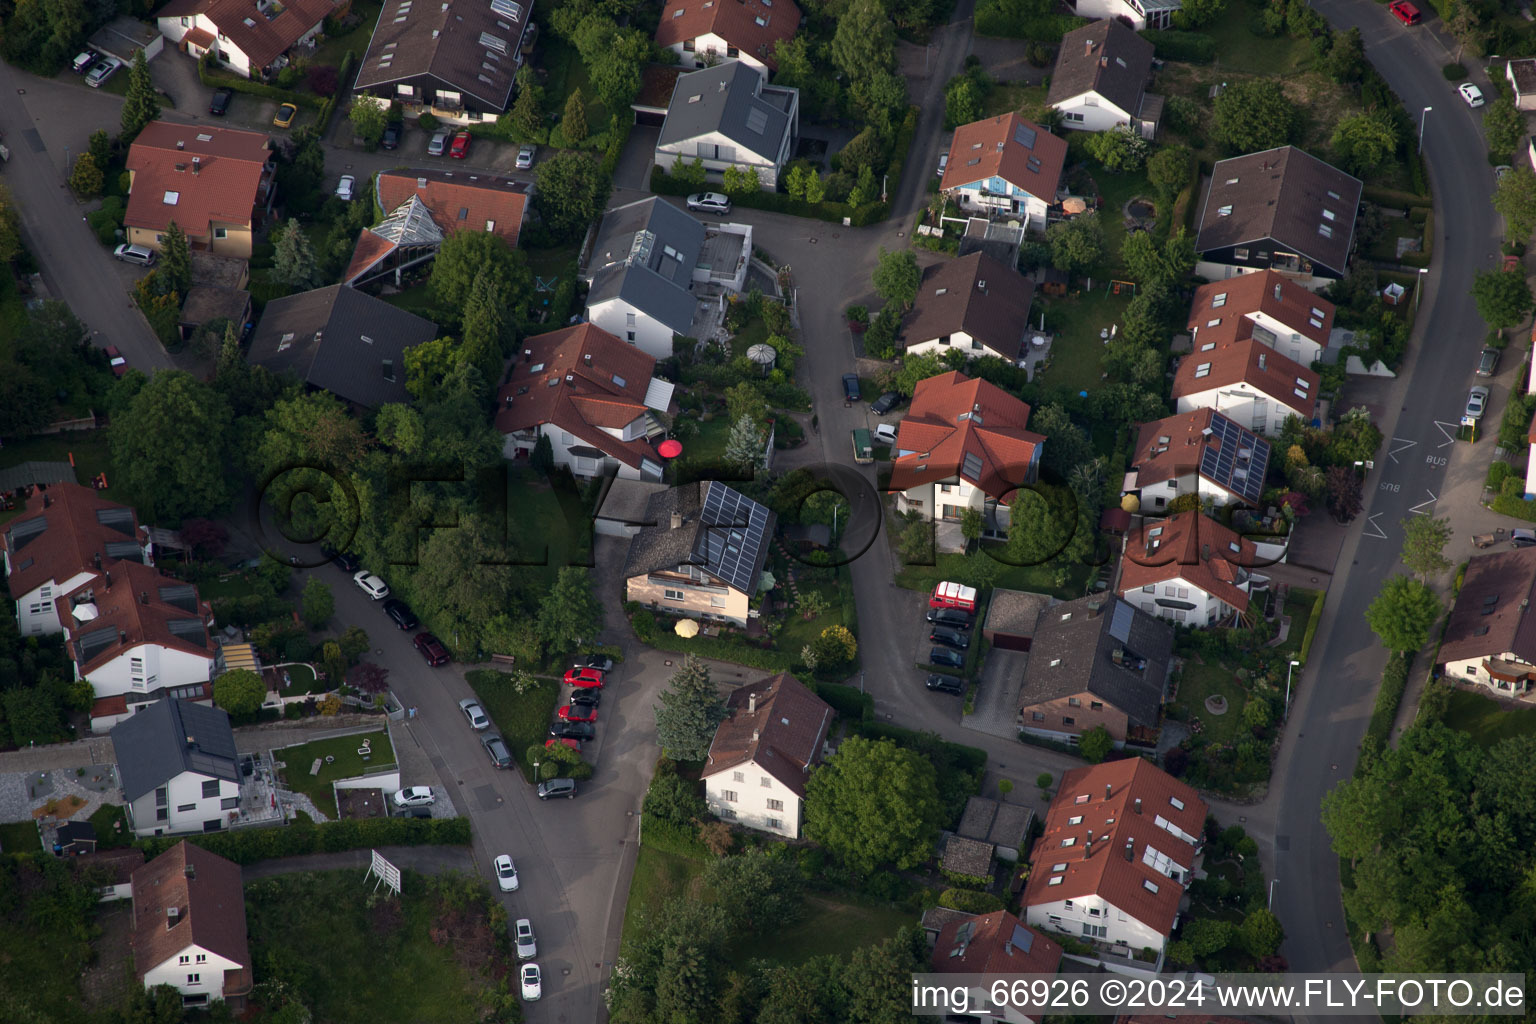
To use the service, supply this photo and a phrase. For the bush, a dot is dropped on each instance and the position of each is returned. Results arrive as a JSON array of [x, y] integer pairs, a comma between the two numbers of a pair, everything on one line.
[[1454, 72], [683, 840], [214, 77], [1191, 47], [847, 701], [1498, 472], [1312, 622], [248, 846], [1394, 681], [992, 20], [663, 183], [970, 902]]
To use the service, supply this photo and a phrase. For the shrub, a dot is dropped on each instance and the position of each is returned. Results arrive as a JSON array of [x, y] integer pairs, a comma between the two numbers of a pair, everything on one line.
[[661, 834], [847, 701], [969, 901], [323, 80], [1312, 622], [1454, 72], [1394, 681], [303, 836], [1498, 472], [1191, 47]]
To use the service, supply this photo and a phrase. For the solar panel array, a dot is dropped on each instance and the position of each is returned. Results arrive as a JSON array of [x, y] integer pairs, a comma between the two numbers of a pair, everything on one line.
[[1024, 136], [182, 595], [190, 630], [1023, 938], [1220, 462], [757, 121], [120, 519], [972, 466], [1120, 622], [25, 531], [97, 640], [734, 535], [128, 549]]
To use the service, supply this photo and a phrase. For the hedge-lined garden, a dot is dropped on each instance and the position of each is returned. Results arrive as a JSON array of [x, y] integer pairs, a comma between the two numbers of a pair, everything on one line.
[[247, 846]]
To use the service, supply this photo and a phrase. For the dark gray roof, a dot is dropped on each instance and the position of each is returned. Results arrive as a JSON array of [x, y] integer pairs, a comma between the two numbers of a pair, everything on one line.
[[645, 254], [727, 99], [967, 856], [976, 822], [170, 737], [340, 339], [724, 533], [1074, 650], [28, 474], [1105, 57], [470, 46]]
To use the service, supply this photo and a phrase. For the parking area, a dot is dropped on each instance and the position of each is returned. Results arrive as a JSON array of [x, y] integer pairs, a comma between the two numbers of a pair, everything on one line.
[[996, 707]]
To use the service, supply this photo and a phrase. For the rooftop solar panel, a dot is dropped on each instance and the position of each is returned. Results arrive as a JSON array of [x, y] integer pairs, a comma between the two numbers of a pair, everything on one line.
[[1219, 462], [735, 535], [119, 519], [1024, 136], [125, 549], [1023, 938], [93, 643], [182, 595], [26, 531], [190, 630], [1120, 622]]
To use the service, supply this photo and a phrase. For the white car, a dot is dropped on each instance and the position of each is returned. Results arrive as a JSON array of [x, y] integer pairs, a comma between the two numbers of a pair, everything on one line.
[[1477, 401], [370, 584], [525, 156], [439, 144], [415, 796], [709, 202], [103, 71], [943, 163], [1471, 93], [531, 987], [344, 188], [526, 947], [885, 433], [475, 713], [506, 874]]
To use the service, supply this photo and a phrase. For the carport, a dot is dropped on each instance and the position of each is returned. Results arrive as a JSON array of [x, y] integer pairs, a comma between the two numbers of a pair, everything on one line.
[[1011, 618]]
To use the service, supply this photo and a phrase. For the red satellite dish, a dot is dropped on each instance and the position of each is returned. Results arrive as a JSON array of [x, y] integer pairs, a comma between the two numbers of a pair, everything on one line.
[[670, 449]]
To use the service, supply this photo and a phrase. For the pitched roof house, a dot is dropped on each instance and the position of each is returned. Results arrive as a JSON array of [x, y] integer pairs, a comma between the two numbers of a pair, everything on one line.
[[702, 32], [1096, 661], [251, 39], [215, 183], [178, 767], [1189, 568], [1007, 166], [1521, 75], [1200, 452], [1100, 80], [1122, 842], [456, 61], [340, 340], [1266, 306], [993, 944], [1282, 209], [729, 116], [1139, 14], [453, 200], [1490, 637], [592, 395], [1248, 382], [189, 927], [763, 753], [963, 444], [975, 304], [702, 554]]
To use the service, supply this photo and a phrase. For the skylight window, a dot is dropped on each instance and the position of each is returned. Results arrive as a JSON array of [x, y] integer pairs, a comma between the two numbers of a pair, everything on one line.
[[619, 381], [1234, 546], [1203, 370], [537, 368], [1219, 301], [1298, 393], [1178, 804], [172, 198], [1334, 195], [761, 21], [1325, 230], [1207, 346], [677, 14], [1318, 313], [1055, 880], [695, 98], [1059, 867], [1225, 211], [1316, 323], [1076, 819], [1328, 215], [1155, 532], [1214, 322], [1150, 886], [1231, 181], [1069, 841], [1302, 383]]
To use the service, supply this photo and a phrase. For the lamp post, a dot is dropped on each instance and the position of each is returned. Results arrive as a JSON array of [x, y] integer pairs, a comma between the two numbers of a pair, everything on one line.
[[1420, 289], [1288, 672], [1272, 882], [1422, 119], [536, 777]]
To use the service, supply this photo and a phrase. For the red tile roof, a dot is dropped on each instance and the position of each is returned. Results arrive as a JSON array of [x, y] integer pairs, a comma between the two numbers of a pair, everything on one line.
[[989, 148], [260, 39], [976, 295], [224, 186], [953, 416], [460, 201], [1252, 362], [72, 540], [995, 943], [209, 898], [1112, 818], [105, 707], [735, 21], [566, 377], [1191, 547], [781, 731], [1272, 294], [118, 596], [370, 249]]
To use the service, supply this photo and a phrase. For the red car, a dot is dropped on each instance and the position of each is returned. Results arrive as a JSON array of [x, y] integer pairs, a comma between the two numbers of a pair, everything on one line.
[[460, 147], [578, 713], [431, 648], [564, 742], [1404, 12], [584, 677], [115, 359]]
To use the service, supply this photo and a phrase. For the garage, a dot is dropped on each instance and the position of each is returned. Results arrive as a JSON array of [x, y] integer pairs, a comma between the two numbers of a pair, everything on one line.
[[1011, 618]]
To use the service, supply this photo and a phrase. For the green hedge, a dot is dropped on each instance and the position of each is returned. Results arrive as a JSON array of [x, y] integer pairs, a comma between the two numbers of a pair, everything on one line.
[[970, 902], [683, 840], [991, 20], [618, 135], [847, 701], [664, 184], [1394, 682], [247, 846], [1454, 72], [1498, 472], [1312, 621], [216, 78], [1382, 196], [1511, 500], [328, 108], [1422, 257], [1191, 47], [1515, 424]]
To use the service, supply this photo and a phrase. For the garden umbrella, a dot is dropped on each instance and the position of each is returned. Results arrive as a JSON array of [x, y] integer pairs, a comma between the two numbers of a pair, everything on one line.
[[686, 627]]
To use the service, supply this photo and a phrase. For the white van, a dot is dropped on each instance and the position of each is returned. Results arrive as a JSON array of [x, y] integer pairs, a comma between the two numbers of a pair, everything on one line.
[[135, 254]]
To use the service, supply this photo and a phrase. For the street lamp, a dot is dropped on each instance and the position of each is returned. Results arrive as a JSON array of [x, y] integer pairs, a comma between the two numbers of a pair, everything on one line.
[[1420, 289], [1272, 881], [1423, 118], [535, 771], [1288, 672]]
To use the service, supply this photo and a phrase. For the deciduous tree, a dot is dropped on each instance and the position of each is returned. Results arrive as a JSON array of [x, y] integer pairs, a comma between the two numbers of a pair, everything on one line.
[[1366, 140], [1515, 200], [169, 448], [689, 711], [574, 124], [1120, 149], [239, 691], [1402, 613], [572, 191], [1077, 245], [368, 120], [1095, 744], [897, 276], [86, 179], [1254, 115], [874, 803], [317, 603], [1424, 540], [1168, 171], [1503, 297], [569, 614]]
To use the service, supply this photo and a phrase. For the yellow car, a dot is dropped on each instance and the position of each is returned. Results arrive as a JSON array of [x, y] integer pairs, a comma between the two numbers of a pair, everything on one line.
[[285, 115]]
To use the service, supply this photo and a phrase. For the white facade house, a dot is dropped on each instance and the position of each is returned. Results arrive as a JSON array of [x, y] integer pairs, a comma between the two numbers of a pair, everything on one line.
[[1100, 80], [728, 116], [1488, 642], [704, 33], [1249, 383], [250, 40], [1201, 452], [1266, 307], [189, 927], [1005, 167], [1141, 14], [763, 753], [178, 767], [1190, 569]]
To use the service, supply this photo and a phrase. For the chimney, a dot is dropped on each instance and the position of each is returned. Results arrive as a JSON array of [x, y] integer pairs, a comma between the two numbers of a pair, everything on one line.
[[197, 164], [677, 520], [108, 575], [389, 369], [1137, 805], [122, 637], [190, 870], [143, 597], [1108, 790], [191, 741], [588, 357], [1087, 47], [181, 143], [1205, 552], [47, 499], [755, 735], [1277, 293], [96, 559], [527, 355], [1094, 607], [1130, 850], [751, 703]]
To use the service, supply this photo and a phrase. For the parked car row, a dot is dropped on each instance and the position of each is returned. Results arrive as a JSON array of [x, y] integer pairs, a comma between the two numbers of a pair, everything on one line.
[[950, 612], [429, 646]]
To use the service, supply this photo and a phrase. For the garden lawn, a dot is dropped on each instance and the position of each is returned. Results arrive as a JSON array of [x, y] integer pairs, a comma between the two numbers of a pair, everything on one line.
[[750, 335], [1077, 352], [348, 764], [1298, 605], [546, 526], [1486, 720], [566, 74], [798, 631], [355, 39], [659, 875], [1240, 48], [1038, 578], [1007, 97], [20, 837], [829, 925], [91, 455], [707, 447], [302, 681], [1203, 679], [522, 719]]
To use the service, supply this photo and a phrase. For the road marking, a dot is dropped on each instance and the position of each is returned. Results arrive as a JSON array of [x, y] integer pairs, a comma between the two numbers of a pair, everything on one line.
[[1418, 509], [1371, 523], [1450, 435], [1402, 445]]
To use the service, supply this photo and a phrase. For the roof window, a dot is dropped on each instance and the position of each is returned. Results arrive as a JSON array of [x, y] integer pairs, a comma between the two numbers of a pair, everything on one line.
[[1055, 880], [1325, 230], [1203, 370], [1225, 211], [1298, 393], [761, 21], [1219, 301], [619, 381], [172, 198], [1178, 804], [1328, 215], [1301, 382]]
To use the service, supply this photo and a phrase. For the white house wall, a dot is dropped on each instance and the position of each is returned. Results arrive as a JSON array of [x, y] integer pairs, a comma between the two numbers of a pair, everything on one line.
[[1284, 340], [962, 342], [717, 152], [227, 53], [1119, 927], [753, 789], [711, 43], [193, 971], [1208, 609], [1030, 212], [1244, 405], [646, 333], [162, 666], [1097, 113], [185, 791]]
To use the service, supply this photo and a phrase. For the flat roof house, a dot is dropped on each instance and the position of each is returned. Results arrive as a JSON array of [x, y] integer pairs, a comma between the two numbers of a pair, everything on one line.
[[1269, 308], [215, 183], [1006, 167], [1100, 80], [1201, 452], [1490, 637], [189, 927], [705, 32], [455, 201], [456, 61], [973, 304], [729, 116], [256, 40]]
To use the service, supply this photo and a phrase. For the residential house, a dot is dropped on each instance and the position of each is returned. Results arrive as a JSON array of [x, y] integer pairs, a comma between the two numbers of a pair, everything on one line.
[[701, 554], [457, 62], [215, 183], [594, 397], [1140, 14], [622, 504], [341, 340], [705, 32], [1248, 382], [963, 444], [996, 945], [1100, 80], [1490, 637], [1007, 167], [729, 116], [1267, 307], [1096, 661], [218, 292], [1201, 452], [1283, 210], [407, 235], [1521, 75], [654, 269], [974, 304], [123, 37], [1530, 460], [256, 40], [189, 927], [1191, 569], [762, 754], [455, 201], [1122, 842], [179, 771]]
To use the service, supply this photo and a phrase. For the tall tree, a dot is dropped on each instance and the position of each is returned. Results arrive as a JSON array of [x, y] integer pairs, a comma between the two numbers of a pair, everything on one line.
[[689, 712], [1515, 200], [1077, 245], [169, 448], [140, 104], [528, 108], [874, 803], [1067, 446], [1424, 540], [317, 603], [484, 324], [1346, 58], [293, 260], [572, 191], [1402, 614], [368, 121], [239, 691], [878, 978], [462, 257], [744, 446], [1366, 140], [1503, 297], [176, 260], [865, 40], [897, 276], [1254, 115], [575, 121], [569, 615], [1169, 171], [1120, 149]]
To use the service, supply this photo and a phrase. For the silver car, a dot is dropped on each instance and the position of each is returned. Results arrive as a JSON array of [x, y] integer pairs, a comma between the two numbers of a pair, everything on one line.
[[527, 949], [1477, 401], [525, 156], [475, 713], [438, 144], [103, 71]]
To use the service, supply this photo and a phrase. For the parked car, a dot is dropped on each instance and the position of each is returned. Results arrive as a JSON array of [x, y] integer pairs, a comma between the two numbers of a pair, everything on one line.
[[526, 947], [578, 713], [1471, 93], [1404, 12], [573, 730], [1521, 537], [286, 112], [584, 677], [943, 162], [400, 614], [219, 105], [949, 594], [851, 386], [142, 255], [116, 361], [941, 683], [344, 188], [601, 662], [438, 143], [955, 618], [531, 987], [885, 403], [370, 584], [885, 433], [557, 787], [392, 134], [525, 156], [1487, 362], [563, 741], [343, 560], [431, 648], [709, 202], [506, 874], [83, 61], [946, 657], [587, 695], [459, 149], [414, 796], [102, 71], [495, 746], [475, 713], [1477, 401], [949, 637]]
